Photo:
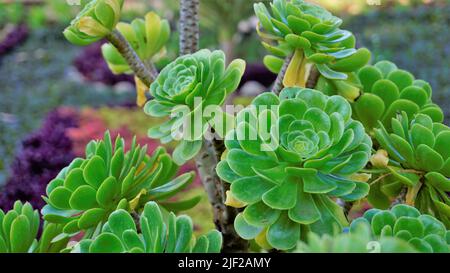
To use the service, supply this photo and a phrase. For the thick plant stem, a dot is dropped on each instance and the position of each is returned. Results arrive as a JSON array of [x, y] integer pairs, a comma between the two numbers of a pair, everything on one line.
[[208, 157], [224, 216], [401, 198], [313, 77], [278, 84], [151, 68], [135, 63], [189, 26], [346, 206]]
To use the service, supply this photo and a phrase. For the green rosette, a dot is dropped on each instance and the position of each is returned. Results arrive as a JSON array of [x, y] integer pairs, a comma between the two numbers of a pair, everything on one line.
[[313, 36], [419, 156], [19, 231], [96, 20], [183, 90], [86, 192], [287, 158], [159, 232], [386, 91], [359, 240], [147, 37], [422, 231]]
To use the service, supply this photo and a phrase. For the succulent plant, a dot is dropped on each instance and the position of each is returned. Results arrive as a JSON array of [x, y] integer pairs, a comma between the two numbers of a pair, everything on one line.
[[360, 240], [158, 234], [96, 20], [19, 228], [84, 193], [424, 232], [200, 75], [388, 90], [91, 64], [318, 151], [147, 37], [419, 154], [313, 36]]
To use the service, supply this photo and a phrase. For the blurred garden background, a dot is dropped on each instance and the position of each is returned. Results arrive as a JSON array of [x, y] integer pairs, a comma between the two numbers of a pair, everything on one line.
[[55, 97]]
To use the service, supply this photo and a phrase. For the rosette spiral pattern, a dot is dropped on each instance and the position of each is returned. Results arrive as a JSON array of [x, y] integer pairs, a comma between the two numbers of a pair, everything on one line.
[[96, 20], [86, 192], [159, 233], [360, 240], [386, 91], [419, 155], [423, 232], [286, 158], [183, 89], [313, 35]]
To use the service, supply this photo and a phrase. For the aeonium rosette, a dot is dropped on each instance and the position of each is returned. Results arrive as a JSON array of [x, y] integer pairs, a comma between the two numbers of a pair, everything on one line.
[[86, 192], [312, 35], [19, 231], [359, 240], [148, 38], [419, 159], [159, 232], [386, 91], [96, 20], [422, 232], [183, 89], [285, 160]]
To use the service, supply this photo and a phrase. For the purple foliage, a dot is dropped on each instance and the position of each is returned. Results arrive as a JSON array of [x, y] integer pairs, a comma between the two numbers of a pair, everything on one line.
[[93, 67], [42, 155], [14, 37], [258, 72]]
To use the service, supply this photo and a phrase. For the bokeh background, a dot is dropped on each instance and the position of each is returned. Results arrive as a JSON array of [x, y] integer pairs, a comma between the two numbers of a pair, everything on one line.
[[55, 97]]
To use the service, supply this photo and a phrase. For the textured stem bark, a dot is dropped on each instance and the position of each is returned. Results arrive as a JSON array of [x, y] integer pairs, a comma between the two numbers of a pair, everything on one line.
[[151, 68], [207, 159], [401, 198], [346, 206], [278, 84], [189, 26], [313, 78], [224, 216], [133, 60]]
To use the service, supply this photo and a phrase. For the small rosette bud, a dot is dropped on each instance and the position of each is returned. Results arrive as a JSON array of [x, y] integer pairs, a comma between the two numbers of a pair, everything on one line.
[[96, 20], [183, 90], [422, 232]]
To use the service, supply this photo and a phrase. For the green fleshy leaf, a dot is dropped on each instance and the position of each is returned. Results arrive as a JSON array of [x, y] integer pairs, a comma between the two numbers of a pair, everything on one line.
[[382, 219], [186, 150], [95, 171], [91, 218], [107, 192], [288, 190], [260, 215], [284, 233], [19, 235], [106, 243], [59, 197], [83, 198], [244, 229], [250, 189], [305, 210]]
